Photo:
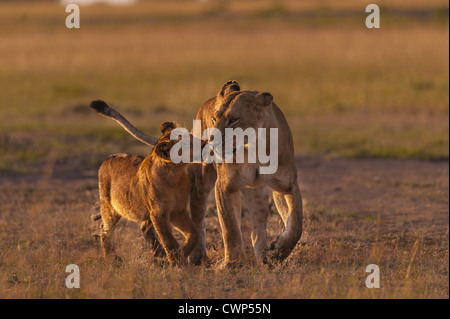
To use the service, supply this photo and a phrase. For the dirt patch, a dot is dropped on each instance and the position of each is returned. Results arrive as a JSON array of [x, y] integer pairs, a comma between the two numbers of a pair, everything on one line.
[[406, 194]]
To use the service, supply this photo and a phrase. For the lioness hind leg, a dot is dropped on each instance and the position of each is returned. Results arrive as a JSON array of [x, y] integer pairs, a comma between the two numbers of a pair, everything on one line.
[[184, 224], [290, 207], [152, 238], [109, 221], [161, 222]]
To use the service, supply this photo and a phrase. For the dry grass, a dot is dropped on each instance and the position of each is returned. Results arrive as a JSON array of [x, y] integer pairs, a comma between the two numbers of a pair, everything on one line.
[[347, 92], [399, 221]]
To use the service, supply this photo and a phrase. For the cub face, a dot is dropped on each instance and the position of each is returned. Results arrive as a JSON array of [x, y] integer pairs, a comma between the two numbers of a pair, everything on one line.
[[165, 144]]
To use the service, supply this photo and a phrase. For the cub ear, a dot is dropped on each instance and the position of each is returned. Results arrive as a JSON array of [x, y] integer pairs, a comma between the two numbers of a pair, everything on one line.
[[162, 149], [264, 99], [230, 86], [168, 126]]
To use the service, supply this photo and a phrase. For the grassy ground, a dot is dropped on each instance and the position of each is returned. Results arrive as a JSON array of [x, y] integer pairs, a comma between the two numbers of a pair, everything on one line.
[[357, 212], [350, 95]]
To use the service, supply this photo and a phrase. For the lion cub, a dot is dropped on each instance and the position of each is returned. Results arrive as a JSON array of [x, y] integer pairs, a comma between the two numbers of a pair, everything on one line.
[[152, 191]]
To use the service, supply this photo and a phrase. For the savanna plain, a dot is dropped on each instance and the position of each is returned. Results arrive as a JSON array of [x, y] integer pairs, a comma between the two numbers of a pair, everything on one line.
[[368, 110]]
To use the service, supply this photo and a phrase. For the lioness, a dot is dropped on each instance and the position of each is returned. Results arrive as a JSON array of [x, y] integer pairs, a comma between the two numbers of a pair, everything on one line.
[[150, 191], [233, 108]]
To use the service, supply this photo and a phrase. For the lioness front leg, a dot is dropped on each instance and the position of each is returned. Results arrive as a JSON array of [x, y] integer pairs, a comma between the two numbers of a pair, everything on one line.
[[258, 205], [228, 204], [201, 180], [290, 207]]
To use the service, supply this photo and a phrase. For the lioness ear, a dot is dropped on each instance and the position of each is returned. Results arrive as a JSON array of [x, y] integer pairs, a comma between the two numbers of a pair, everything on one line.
[[230, 86], [163, 149], [264, 99], [168, 126]]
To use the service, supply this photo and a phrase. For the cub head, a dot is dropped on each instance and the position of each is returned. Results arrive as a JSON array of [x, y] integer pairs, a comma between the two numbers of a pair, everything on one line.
[[164, 146]]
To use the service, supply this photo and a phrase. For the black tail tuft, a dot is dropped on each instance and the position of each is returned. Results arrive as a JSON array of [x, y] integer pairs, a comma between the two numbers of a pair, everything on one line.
[[100, 106]]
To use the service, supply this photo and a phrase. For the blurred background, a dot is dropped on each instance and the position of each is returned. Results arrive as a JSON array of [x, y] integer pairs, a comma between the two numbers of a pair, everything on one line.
[[347, 91]]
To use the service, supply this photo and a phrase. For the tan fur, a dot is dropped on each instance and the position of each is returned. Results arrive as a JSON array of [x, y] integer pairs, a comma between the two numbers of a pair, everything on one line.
[[257, 110], [151, 191]]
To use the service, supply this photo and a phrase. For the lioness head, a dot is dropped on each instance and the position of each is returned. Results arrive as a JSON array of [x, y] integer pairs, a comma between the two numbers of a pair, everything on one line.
[[235, 108]]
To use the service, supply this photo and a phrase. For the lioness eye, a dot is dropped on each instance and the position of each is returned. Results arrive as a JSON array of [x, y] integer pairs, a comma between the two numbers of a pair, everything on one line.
[[232, 120], [213, 119]]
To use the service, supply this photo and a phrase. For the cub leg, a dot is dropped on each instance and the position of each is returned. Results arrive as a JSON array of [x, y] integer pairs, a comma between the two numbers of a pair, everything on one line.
[[109, 221], [152, 238], [161, 222], [184, 224]]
